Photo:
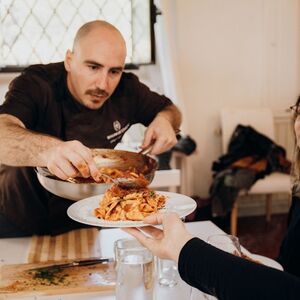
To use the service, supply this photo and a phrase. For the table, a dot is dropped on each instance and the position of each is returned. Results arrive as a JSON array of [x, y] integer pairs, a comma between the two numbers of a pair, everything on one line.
[[15, 250]]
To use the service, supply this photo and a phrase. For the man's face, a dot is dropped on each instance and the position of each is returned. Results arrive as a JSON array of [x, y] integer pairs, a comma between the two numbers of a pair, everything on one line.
[[95, 68]]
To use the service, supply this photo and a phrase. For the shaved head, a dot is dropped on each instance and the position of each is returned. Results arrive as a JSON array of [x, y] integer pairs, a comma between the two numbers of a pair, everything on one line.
[[99, 26]]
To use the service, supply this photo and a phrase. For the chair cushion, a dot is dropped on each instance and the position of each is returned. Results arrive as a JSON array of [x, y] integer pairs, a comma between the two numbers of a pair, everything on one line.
[[271, 184]]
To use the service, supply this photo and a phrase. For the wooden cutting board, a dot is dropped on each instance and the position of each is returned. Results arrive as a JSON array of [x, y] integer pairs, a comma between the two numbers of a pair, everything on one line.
[[44, 250], [16, 280], [75, 244]]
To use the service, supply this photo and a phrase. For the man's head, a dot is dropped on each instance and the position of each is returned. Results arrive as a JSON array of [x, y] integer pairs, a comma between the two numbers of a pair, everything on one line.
[[96, 63]]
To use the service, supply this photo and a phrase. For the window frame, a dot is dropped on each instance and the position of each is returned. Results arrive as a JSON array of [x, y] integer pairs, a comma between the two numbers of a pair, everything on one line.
[[153, 11]]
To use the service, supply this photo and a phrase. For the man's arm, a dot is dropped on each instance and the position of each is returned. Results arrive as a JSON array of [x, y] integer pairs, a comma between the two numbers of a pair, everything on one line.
[[161, 131], [22, 147]]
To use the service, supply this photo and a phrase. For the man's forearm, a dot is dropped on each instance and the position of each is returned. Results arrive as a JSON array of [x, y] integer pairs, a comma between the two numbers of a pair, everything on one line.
[[22, 147], [172, 114]]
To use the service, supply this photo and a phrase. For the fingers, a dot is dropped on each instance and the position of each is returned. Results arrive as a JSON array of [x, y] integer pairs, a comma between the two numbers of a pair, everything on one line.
[[76, 159], [134, 232], [161, 132], [147, 138], [155, 219], [54, 169], [171, 219], [164, 141], [143, 239], [160, 218], [153, 232], [87, 165], [149, 230], [71, 159], [166, 243]]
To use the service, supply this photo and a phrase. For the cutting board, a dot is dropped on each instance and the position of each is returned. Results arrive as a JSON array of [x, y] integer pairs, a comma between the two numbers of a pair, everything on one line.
[[16, 280], [44, 250], [75, 244]]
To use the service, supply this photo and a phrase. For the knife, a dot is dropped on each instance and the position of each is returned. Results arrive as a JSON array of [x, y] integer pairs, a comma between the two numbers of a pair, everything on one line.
[[74, 263]]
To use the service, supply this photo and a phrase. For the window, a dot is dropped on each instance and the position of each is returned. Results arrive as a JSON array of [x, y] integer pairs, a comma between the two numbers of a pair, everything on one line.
[[40, 31]]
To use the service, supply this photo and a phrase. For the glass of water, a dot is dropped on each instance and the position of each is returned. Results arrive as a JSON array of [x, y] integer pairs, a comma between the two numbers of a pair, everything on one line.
[[135, 271], [167, 272]]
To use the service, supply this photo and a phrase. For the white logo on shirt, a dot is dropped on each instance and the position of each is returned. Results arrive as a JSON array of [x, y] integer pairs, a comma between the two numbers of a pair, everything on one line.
[[118, 134], [117, 125]]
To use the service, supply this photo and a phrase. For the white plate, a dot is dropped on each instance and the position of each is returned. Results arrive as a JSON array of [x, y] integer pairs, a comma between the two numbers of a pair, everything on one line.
[[267, 261], [83, 210]]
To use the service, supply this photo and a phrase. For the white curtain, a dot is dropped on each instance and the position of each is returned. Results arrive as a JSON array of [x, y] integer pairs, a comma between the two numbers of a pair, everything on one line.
[[165, 34]]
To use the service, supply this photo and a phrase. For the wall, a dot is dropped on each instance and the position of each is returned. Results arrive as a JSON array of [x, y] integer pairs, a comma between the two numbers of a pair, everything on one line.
[[232, 54]]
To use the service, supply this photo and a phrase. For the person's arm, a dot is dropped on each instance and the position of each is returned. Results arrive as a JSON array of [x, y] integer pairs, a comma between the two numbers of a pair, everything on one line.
[[22, 147], [211, 270], [230, 277], [162, 130]]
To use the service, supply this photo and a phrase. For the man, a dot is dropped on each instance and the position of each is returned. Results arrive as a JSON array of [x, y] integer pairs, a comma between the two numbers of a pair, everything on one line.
[[53, 114]]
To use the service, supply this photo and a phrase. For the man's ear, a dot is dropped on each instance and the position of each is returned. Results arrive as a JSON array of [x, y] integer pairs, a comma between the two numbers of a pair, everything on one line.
[[68, 59]]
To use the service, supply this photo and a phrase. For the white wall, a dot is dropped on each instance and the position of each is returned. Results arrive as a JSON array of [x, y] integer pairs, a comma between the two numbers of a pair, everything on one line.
[[232, 54]]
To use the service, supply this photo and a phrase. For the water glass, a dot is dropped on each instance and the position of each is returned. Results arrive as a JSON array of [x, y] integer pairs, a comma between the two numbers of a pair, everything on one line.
[[226, 242], [122, 245], [135, 271], [167, 272]]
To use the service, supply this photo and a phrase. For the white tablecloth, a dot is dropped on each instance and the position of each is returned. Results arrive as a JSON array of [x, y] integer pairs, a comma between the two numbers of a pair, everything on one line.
[[15, 250]]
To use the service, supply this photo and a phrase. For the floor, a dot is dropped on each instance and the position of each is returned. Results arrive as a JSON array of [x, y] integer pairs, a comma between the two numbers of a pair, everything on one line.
[[255, 233], [260, 237]]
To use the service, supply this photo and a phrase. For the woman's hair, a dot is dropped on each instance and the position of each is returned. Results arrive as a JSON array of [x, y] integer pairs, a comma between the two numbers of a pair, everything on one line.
[[296, 161]]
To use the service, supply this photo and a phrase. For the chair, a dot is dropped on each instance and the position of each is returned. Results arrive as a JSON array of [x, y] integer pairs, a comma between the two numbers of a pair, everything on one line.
[[167, 179], [262, 120]]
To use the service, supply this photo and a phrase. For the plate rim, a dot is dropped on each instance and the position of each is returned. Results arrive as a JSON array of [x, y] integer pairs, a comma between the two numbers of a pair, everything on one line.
[[121, 224], [259, 257]]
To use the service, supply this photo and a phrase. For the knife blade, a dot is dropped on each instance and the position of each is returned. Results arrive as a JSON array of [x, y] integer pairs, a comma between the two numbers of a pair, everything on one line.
[[74, 263]]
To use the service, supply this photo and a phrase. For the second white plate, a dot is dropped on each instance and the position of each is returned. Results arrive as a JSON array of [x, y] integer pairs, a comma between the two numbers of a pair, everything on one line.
[[267, 261], [83, 210]]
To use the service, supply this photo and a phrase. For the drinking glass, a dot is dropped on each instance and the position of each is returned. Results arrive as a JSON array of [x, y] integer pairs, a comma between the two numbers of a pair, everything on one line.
[[121, 245], [167, 272], [135, 271], [226, 242]]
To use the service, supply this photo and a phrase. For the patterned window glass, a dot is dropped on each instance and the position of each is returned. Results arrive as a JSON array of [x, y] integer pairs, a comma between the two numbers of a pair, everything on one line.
[[40, 31]]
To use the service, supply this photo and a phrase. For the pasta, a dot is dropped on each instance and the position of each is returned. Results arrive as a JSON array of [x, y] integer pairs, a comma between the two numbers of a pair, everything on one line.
[[134, 204], [113, 173]]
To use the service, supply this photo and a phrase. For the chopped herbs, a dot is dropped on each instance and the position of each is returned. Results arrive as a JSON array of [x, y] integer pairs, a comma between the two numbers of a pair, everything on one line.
[[51, 276]]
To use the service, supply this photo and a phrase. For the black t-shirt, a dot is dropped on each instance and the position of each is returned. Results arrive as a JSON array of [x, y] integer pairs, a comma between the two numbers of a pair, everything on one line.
[[229, 277], [39, 97]]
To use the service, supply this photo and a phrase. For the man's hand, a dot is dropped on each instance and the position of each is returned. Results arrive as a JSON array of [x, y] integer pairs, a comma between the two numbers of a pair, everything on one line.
[[166, 243], [161, 134], [70, 159]]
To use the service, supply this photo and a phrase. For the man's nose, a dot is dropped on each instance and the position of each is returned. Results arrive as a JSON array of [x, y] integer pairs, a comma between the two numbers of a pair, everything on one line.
[[102, 81]]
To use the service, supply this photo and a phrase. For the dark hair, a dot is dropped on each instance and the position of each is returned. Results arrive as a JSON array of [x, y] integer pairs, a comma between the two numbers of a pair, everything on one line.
[[296, 160]]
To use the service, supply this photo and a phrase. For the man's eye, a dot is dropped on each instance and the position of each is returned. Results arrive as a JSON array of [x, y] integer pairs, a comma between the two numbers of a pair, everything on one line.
[[92, 67], [115, 72]]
